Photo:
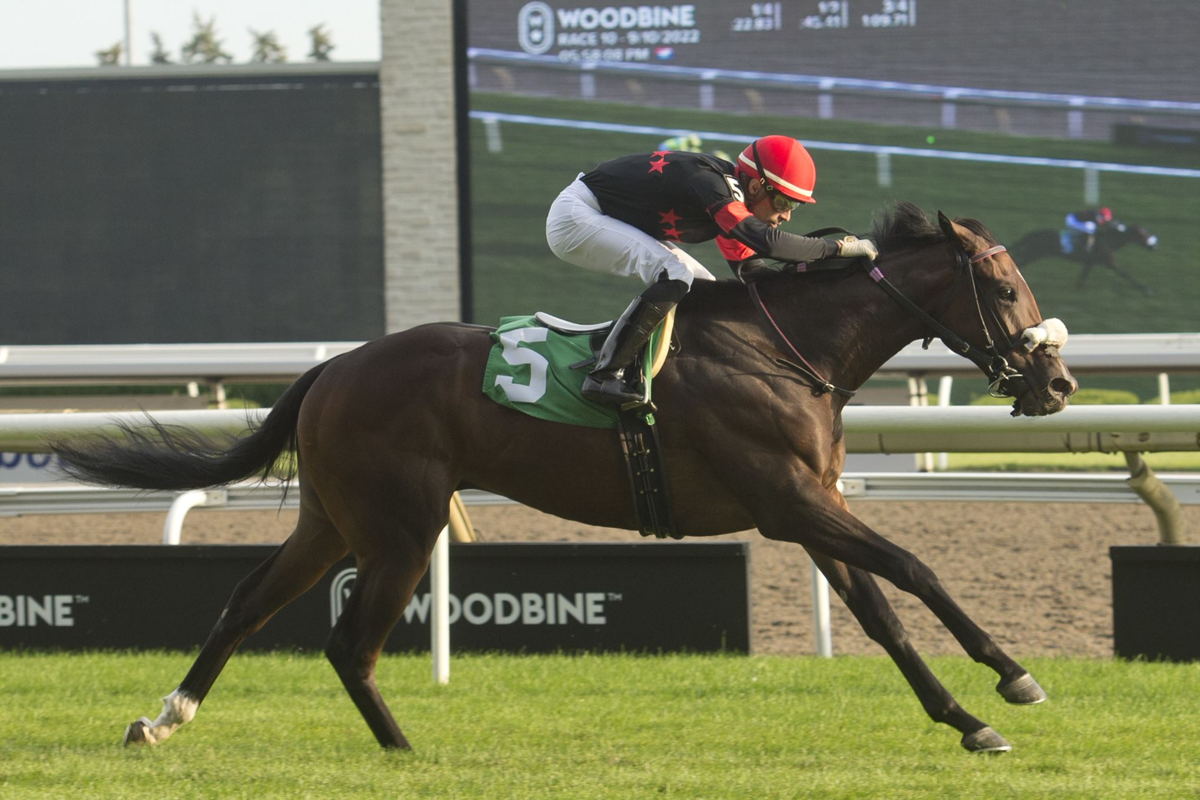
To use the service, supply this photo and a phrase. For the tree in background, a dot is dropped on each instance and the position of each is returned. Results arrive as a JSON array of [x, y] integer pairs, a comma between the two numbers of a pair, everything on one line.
[[159, 54], [321, 43], [267, 49], [204, 47], [110, 57]]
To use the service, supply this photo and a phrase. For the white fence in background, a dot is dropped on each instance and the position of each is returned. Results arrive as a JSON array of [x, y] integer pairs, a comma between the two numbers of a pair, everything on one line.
[[828, 87], [883, 153]]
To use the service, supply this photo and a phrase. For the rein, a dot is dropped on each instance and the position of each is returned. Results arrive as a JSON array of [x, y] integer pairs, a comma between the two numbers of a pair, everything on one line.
[[988, 359], [820, 384]]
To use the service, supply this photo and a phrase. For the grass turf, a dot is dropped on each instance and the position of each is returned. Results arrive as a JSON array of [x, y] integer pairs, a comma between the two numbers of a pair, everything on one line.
[[596, 727]]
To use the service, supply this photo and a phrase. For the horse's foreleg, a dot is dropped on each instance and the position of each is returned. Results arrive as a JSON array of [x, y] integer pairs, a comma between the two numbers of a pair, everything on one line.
[[826, 527], [1111, 263], [1085, 270], [292, 569], [861, 594]]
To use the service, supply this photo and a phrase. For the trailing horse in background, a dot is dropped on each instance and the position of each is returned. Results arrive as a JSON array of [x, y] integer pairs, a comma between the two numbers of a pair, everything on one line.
[[749, 416], [1109, 238]]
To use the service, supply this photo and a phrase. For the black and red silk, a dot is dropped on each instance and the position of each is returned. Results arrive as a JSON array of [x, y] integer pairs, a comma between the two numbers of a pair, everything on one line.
[[693, 197]]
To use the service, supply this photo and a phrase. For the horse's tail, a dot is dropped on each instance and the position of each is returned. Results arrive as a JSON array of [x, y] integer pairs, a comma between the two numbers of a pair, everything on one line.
[[158, 456]]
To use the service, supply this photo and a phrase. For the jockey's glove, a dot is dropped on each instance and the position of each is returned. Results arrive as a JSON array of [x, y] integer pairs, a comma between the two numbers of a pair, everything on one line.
[[853, 247]]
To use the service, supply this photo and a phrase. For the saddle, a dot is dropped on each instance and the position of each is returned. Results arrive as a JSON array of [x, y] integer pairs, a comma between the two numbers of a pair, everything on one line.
[[537, 365]]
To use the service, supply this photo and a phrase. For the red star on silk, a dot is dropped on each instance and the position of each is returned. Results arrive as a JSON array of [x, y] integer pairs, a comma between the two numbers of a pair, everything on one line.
[[671, 232], [657, 165], [669, 217]]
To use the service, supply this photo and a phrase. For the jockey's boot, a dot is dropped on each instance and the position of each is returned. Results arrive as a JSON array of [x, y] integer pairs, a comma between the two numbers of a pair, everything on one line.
[[606, 383]]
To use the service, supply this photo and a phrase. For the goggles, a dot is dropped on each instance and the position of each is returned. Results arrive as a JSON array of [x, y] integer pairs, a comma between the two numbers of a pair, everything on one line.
[[779, 200]]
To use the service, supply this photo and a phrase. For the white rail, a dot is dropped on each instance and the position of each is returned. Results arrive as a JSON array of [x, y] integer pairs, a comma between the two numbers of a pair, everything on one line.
[[18, 500], [869, 429], [828, 85], [1144, 353]]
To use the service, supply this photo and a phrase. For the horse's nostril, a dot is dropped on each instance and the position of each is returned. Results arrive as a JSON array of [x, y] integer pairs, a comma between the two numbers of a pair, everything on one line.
[[1064, 386]]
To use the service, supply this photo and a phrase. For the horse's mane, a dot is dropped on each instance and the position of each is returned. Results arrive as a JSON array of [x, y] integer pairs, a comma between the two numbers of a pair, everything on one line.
[[905, 225]]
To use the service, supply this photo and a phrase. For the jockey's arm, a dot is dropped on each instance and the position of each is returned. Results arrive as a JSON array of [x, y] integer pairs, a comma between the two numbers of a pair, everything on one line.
[[1082, 225], [760, 239]]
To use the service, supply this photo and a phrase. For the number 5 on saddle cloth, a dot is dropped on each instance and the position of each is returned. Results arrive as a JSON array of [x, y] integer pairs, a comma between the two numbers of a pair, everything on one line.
[[537, 365]]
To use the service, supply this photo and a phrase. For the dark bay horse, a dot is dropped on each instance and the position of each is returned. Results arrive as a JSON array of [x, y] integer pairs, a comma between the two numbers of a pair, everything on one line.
[[1047, 243], [751, 431]]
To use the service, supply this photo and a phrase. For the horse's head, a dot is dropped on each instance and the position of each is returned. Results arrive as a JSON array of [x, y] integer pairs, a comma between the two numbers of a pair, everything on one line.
[[1136, 234], [979, 304]]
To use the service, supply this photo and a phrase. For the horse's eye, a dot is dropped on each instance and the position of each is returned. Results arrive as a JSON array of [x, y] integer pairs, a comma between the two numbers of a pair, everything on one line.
[[1008, 294]]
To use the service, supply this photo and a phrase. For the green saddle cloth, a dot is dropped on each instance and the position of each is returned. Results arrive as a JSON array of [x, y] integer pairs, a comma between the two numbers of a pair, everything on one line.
[[529, 369]]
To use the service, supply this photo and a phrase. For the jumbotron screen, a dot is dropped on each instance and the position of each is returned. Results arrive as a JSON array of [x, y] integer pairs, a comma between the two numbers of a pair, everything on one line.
[[1095, 47]]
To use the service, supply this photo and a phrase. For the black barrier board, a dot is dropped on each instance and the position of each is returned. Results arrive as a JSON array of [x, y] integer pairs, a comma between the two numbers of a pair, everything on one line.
[[1156, 601], [645, 597]]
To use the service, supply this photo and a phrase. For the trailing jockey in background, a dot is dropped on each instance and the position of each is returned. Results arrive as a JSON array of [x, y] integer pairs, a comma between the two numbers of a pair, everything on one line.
[[625, 216], [1082, 227], [691, 143]]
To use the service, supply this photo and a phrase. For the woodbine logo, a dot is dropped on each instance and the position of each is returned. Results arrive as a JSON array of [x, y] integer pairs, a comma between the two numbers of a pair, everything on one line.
[[499, 608], [537, 22], [31, 611]]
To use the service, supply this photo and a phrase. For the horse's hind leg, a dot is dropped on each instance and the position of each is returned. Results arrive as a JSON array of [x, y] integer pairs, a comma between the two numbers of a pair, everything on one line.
[[300, 562], [382, 588], [862, 596]]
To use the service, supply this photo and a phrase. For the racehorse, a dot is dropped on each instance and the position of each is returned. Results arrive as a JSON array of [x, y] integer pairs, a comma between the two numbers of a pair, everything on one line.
[[1047, 243], [749, 411]]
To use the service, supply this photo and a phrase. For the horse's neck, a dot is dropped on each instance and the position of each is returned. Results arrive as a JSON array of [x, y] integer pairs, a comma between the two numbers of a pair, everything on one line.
[[846, 330]]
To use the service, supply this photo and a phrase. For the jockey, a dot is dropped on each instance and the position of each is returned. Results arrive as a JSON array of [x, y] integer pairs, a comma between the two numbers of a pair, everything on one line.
[[1087, 222], [625, 216], [690, 143]]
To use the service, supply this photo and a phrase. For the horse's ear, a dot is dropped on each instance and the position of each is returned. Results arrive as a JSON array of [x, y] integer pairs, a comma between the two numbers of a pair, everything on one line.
[[947, 227]]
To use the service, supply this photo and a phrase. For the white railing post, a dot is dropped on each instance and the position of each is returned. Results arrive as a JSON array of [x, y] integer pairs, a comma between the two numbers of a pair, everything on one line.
[[491, 129], [439, 622], [945, 388], [825, 99], [883, 168], [822, 628], [183, 503]]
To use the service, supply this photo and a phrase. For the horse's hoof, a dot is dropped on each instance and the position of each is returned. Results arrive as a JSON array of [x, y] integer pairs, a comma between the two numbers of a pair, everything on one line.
[[985, 740], [1023, 691], [138, 732]]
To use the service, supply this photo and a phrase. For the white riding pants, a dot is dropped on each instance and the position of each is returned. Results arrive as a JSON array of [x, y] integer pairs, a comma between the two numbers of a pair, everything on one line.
[[579, 233]]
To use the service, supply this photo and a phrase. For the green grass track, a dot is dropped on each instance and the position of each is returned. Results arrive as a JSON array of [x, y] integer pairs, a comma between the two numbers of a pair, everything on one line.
[[596, 727]]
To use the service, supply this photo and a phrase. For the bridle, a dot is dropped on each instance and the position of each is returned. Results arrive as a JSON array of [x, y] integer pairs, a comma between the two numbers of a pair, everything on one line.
[[988, 358], [995, 366]]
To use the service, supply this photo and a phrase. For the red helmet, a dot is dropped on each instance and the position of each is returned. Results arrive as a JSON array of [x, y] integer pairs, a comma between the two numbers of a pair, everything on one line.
[[1104, 214], [783, 164]]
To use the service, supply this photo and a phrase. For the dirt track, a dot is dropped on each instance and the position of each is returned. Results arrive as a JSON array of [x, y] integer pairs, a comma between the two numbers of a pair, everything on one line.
[[1036, 575]]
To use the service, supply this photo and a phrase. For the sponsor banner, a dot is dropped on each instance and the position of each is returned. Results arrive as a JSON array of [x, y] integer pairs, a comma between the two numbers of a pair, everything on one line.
[[503, 597], [28, 468], [1156, 602]]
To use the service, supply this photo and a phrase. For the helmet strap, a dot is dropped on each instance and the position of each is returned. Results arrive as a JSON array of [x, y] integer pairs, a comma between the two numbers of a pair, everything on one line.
[[762, 174]]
